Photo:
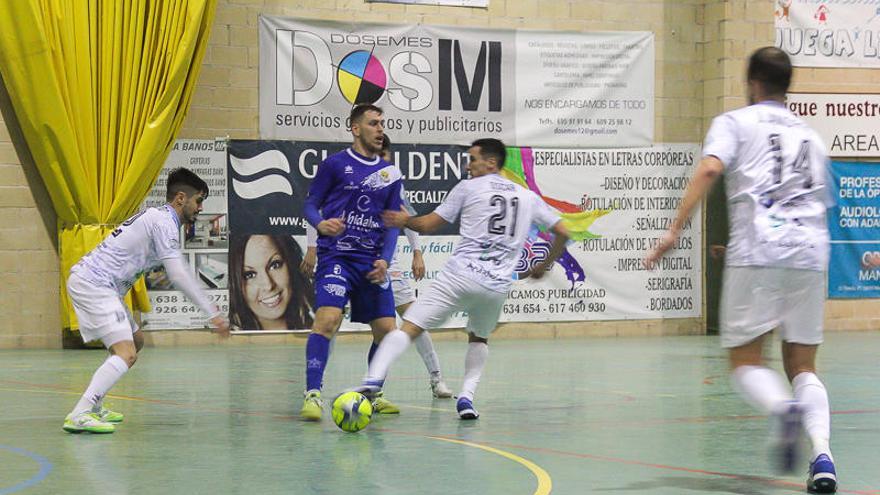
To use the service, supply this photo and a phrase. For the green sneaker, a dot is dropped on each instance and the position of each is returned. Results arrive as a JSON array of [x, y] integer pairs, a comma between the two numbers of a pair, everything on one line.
[[108, 416], [313, 406], [381, 405], [87, 421]]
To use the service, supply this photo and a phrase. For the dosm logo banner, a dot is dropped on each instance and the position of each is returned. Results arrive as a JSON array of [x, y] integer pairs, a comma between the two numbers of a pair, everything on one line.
[[449, 85]]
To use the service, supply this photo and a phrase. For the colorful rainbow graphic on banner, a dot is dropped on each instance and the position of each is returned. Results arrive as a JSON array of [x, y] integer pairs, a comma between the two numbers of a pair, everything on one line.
[[519, 167]]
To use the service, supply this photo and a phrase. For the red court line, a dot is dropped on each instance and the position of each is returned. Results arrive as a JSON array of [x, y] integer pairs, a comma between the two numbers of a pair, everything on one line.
[[185, 405], [542, 450], [744, 477]]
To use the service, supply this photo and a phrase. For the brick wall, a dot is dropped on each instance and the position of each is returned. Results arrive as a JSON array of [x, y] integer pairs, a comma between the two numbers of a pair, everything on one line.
[[29, 316]]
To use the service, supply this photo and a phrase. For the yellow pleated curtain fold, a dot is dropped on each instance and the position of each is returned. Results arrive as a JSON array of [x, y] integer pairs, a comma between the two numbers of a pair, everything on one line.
[[100, 89]]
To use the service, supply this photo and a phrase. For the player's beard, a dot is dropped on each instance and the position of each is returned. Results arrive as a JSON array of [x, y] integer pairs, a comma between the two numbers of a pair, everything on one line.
[[371, 146]]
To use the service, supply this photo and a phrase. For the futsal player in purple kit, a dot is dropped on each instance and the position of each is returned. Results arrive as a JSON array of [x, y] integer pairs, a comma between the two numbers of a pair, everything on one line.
[[345, 203]]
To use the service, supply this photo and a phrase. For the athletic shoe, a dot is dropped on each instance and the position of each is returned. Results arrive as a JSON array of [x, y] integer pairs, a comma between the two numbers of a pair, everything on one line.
[[312, 407], [381, 405], [370, 391], [822, 478], [86, 421], [466, 409], [788, 437], [108, 416], [439, 388]]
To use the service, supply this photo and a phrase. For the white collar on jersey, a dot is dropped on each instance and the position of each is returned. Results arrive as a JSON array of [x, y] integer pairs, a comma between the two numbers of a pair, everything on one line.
[[170, 209], [772, 103], [357, 156]]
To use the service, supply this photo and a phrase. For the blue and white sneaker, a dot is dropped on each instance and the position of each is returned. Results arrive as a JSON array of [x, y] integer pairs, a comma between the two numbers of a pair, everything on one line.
[[466, 409], [788, 437], [822, 478]]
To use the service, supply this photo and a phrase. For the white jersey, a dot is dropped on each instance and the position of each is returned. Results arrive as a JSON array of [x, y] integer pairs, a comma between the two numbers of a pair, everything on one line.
[[776, 178], [139, 244], [496, 216]]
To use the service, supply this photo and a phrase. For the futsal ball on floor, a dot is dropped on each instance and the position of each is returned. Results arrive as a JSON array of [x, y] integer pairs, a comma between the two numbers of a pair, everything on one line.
[[352, 411]]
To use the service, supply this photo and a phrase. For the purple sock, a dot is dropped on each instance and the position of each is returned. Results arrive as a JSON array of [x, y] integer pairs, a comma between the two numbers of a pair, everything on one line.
[[317, 352], [372, 352]]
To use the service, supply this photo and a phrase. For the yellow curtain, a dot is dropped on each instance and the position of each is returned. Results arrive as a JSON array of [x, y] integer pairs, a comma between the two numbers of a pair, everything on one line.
[[100, 89]]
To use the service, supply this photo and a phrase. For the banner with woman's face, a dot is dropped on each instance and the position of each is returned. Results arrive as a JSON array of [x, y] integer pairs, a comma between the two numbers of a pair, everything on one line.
[[268, 184]]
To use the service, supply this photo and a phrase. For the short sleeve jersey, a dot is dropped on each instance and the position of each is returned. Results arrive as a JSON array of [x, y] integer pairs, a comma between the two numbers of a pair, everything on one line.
[[357, 190], [139, 244], [495, 216], [776, 171]]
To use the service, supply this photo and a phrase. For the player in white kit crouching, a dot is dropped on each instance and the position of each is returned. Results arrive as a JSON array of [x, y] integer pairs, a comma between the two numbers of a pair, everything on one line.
[[775, 263], [495, 216], [99, 281]]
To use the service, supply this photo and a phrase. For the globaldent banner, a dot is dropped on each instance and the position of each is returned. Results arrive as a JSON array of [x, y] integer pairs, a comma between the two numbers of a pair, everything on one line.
[[624, 200], [829, 33], [854, 225], [450, 85]]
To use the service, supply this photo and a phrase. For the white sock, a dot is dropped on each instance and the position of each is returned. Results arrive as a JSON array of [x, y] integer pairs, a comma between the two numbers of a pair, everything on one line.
[[474, 362], [425, 346], [102, 381], [392, 346], [761, 387], [811, 393]]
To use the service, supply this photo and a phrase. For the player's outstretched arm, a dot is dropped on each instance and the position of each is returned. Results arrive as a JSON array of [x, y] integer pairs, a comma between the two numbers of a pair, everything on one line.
[[184, 280], [557, 247], [424, 224], [708, 171]]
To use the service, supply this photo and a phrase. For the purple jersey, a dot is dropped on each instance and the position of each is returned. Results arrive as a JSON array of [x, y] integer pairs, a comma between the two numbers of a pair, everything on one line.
[[356, 189]]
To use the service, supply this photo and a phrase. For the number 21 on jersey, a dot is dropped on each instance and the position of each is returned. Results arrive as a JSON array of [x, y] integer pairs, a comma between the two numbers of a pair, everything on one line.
[[506, 212]]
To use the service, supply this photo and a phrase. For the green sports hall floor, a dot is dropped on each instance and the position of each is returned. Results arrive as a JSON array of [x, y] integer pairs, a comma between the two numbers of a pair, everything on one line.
[[626, 415]]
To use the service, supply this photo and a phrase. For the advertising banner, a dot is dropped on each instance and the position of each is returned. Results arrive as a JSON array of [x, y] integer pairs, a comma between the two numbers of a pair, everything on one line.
[[204, 243], [854, 225], [829, 33], [633, 192], [849, 124], [446, 84]]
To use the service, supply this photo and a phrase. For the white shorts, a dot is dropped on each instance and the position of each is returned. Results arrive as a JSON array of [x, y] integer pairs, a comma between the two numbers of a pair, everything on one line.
[[755, 300], [403, 292], [100, 311], [450, 293]]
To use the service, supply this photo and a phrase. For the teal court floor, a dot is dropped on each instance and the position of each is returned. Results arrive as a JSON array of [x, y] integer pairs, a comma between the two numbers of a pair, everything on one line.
[[623, 416]]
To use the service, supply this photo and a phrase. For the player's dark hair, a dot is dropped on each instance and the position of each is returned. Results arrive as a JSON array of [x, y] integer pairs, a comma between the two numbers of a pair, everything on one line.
[[771, 67], [359, 110], [298, 314], [491, 147], [183, 179]]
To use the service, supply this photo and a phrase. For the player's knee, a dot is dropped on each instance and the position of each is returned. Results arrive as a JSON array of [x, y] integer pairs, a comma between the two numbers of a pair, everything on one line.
[[326, 327], [138, 341], [795, 370], [129, 355]]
